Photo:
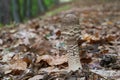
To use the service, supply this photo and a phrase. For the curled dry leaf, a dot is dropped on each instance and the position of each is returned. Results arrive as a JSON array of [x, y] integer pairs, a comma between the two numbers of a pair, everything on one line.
[[15, 67], [53, 60]]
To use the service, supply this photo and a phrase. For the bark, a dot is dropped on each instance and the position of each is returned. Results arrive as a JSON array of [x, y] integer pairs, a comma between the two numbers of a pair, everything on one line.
[[28, 7], [16, 11], [41, 6], [5, 11], [56, 2]]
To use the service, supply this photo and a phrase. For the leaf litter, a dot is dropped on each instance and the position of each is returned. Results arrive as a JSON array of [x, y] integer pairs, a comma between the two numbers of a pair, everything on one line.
[[35, 50]]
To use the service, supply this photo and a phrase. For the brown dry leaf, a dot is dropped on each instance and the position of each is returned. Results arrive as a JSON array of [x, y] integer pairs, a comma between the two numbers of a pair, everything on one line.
[[86, 60], [59, 60], [16, 72], [58, 33], [18, 65], [88, 37], [109, 23], [15, 67], [110, 38], [53, 60], [104, 51], [55, 19]]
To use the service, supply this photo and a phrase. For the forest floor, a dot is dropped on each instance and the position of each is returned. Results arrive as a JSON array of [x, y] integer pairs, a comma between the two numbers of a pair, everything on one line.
[[35, 51]]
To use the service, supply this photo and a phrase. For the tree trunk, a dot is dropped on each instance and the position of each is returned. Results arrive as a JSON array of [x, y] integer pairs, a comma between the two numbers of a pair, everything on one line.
[[5, 13], [1, 12], [28, 8], [16, 11], [56, 2], [41, 6]]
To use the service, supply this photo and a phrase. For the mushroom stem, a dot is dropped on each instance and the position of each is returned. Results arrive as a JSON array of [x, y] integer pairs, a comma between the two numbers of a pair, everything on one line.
[[73, 58]]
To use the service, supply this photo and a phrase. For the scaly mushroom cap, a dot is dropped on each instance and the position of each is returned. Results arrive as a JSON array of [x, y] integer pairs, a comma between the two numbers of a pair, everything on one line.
[[70, 19]]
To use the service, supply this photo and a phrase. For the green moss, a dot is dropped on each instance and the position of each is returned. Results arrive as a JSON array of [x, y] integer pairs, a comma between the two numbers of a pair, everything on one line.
[[49, 3], [1, 25]]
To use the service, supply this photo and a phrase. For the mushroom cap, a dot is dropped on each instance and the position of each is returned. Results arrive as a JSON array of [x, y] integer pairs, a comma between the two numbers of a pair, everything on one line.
[[70, 19]]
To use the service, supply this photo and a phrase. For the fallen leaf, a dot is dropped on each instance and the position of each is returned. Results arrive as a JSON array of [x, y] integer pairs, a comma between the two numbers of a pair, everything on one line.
[[37, 77], [53, 60], [18, 65]]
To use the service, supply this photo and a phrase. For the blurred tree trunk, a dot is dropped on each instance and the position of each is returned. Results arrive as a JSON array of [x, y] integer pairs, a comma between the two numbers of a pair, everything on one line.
[[5, 11], [28, 8], [1, 12], [41, 6], [56, 2], [16, 11], [24, 8]]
